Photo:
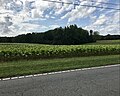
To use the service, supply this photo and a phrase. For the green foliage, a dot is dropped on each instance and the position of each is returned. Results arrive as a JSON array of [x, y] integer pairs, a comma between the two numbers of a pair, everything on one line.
[[35, 51], [70, 35]]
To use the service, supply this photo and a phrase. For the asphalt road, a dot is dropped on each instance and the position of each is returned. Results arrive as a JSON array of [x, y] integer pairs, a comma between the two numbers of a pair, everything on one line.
[[94, 82]]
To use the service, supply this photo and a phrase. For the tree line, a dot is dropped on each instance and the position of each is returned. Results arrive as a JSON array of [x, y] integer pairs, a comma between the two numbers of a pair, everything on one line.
[[70, 35]]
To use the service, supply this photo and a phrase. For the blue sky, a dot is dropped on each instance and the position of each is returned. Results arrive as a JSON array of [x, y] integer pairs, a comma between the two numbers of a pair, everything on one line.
[[25, 16]]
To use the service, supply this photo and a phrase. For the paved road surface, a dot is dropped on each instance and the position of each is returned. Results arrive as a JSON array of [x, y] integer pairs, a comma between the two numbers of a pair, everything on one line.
[[96, 82]]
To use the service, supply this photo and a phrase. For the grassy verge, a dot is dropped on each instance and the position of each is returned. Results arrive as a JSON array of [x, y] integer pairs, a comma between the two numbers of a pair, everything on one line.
[[17, 68]]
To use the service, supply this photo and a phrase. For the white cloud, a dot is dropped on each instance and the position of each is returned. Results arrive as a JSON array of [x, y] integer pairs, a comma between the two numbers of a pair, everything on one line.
[[101, 20], [53, 26], [82, 11], [24, 10], [63, 9], [107, 23], [79, 12]]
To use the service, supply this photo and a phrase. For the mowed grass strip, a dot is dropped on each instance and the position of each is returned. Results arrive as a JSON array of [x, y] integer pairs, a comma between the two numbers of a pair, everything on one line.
[[19, 68], [105, 42]]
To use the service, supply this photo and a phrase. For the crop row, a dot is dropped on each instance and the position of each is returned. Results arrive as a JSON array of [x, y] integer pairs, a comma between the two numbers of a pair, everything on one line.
[[35, 51]]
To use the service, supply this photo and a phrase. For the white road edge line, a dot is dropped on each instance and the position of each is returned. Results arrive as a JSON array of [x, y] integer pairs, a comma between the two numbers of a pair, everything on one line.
[[59, 72]]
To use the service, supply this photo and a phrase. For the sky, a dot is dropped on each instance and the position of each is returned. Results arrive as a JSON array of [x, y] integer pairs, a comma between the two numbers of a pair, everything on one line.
[[27, 16]]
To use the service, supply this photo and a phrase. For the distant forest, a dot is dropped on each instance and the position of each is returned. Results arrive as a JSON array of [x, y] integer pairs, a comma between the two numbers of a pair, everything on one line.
[[70, 35]]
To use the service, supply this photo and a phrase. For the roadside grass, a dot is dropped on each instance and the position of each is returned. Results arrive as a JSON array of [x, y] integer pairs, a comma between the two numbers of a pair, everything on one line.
[[27, 67]]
